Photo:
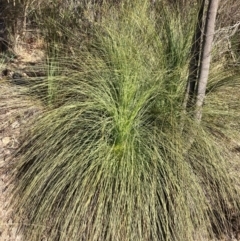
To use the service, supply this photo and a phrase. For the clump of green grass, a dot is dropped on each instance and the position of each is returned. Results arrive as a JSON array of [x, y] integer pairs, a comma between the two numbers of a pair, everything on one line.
[[109, 161]]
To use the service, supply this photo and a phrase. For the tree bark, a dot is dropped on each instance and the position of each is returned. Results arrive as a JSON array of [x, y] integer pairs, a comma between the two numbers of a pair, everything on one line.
[[195, 59], [3, 38], [206, 56]]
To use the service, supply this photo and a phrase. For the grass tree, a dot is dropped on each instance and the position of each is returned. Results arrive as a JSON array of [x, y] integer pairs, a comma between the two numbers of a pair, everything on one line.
[[107, 160]]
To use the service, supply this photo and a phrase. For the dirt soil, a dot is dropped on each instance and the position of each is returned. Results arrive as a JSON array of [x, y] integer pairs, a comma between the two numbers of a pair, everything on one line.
[[16, 112]]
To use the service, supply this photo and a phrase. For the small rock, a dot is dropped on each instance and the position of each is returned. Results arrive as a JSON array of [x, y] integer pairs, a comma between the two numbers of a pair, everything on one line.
[[2, 163], [15, 124], [6, 140], [6, 72], [16, 75], [7, 153]]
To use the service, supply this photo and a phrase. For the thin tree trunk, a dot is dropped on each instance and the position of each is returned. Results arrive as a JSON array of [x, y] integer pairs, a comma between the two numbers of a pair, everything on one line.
[[206, 56], [25, 8], [195, 59]]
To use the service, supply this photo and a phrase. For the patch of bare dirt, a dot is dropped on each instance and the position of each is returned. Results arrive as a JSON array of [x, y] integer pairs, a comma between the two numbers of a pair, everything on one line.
[[16, 112]]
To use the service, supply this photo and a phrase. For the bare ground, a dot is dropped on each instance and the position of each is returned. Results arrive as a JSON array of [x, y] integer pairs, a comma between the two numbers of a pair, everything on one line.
[[16, 111]]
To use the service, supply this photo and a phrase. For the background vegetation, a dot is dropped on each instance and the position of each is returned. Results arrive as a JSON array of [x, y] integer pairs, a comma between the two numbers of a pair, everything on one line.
[[110, 158]]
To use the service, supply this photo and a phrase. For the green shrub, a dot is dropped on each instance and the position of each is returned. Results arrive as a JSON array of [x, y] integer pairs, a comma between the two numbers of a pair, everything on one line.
[[110, 160]]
